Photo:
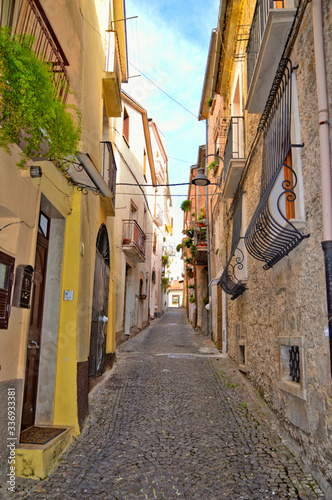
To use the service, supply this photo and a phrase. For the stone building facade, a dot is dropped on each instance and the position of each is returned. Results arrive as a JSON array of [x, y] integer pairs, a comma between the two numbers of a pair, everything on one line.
[[268, 295]]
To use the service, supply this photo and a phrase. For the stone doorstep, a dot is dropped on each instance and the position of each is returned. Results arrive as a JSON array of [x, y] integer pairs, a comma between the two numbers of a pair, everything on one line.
[[36, 461]]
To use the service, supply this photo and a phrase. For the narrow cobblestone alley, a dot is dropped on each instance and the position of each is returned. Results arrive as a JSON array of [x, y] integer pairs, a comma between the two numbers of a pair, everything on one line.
[[175, 420]]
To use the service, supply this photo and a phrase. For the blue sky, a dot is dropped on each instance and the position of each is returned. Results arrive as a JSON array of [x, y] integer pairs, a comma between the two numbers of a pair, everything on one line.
[[169, 44]]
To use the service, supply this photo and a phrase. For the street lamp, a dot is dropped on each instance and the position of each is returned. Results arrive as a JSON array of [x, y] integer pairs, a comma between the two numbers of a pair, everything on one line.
[[201, 178]]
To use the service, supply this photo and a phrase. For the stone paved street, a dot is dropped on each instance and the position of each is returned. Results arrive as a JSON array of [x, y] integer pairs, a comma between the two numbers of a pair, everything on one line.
[[175, 420]]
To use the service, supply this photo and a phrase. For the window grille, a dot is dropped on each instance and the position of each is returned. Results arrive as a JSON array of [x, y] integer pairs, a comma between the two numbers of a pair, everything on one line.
[[271, 235], [294, 363]]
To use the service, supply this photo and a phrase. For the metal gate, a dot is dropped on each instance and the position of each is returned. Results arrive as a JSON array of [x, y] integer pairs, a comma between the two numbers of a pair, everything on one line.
[[97, 355]]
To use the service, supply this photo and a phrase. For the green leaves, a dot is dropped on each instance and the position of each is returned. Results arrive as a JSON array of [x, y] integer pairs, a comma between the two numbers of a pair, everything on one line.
[[29, 106]]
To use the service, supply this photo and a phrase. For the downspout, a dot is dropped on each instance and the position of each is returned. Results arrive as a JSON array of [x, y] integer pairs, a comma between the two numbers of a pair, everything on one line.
[[325, 156], [208, 234]]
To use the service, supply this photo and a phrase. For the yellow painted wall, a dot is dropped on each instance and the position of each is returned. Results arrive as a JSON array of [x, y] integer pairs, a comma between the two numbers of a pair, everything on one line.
[[65, 399]]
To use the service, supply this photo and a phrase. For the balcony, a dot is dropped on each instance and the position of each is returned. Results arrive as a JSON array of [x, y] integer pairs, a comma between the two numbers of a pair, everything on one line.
[[133, 240], [29, 18], [268, 34], [158, 218], [234, 156], [200, 241], [112, 76]]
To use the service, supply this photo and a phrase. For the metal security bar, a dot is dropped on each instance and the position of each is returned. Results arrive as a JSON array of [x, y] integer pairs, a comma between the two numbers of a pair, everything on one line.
[[270, 235], [234, 149], [25, 19], [294, 364], [261, 13]]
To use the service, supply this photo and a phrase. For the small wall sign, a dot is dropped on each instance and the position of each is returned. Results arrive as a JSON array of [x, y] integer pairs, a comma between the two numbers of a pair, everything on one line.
[[68, 295]]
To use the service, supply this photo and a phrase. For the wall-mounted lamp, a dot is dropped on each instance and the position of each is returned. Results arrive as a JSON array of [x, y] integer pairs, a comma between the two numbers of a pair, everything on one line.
[[201, 178], [36, 172]]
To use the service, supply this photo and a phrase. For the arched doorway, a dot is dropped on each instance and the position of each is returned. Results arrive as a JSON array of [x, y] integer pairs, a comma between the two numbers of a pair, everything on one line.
[[99, 319]]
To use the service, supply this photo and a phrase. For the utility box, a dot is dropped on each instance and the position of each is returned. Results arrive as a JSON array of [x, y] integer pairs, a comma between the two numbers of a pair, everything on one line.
[[22, 286]]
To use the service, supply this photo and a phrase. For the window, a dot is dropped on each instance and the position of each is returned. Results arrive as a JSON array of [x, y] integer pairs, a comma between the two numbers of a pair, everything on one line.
[[125, 130], [292, 368], [154, 247], [6, 280]]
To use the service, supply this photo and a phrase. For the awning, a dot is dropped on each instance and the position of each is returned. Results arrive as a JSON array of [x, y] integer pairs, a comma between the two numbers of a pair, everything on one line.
[[84, 174]]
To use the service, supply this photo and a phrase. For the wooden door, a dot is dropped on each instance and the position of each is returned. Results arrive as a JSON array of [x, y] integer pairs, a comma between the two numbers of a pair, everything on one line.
[[219, 318], [35, 332]]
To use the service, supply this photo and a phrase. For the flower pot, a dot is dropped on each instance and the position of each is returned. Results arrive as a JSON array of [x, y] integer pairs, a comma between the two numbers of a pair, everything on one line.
[[126, 241]]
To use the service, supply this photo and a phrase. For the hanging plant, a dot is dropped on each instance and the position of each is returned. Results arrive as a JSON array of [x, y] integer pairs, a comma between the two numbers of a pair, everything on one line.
[[192, 250], [191, 299], [164, 260], [179, 247], [186, 205], [164, 284], [187, 242], [30, 111]]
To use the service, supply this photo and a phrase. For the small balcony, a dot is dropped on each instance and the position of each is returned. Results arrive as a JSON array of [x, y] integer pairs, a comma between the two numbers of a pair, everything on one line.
[[28, 18], [112, 77], [134, 240], [200, 241], [158, 218], [234, 156], [268, 34]]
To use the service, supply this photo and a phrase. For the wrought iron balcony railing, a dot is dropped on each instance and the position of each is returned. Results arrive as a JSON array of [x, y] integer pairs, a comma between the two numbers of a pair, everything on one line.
[[28, 18], [134, 236], [200, 235], [271, 233], [234, 149]]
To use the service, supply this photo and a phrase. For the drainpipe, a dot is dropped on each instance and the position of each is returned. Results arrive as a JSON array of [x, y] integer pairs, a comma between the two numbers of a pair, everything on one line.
[[325, 157], [208, 235]]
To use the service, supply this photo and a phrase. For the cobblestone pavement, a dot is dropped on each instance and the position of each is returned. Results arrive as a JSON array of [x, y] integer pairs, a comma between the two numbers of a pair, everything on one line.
[[174, 419]]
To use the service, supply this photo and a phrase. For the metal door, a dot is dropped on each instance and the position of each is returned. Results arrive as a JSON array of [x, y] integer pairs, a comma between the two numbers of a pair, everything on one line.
[[97, 355], [219, 318]]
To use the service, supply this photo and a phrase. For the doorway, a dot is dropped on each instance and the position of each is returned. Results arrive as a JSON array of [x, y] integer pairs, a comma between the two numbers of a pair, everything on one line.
[[35, 328], [99, 318]]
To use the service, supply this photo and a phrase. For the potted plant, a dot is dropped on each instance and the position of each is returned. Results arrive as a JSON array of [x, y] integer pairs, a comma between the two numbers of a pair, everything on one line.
[[186, 205], [30, 112], [143, 296], [191, 299], [126, 241], [202, 214], [187, 242], [205, 300], [190, 232], [191, 286], [179, 247], [192, 250]]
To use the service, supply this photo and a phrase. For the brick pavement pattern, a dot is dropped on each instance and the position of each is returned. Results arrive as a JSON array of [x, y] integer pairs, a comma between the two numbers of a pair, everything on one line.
[[175, 420]]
